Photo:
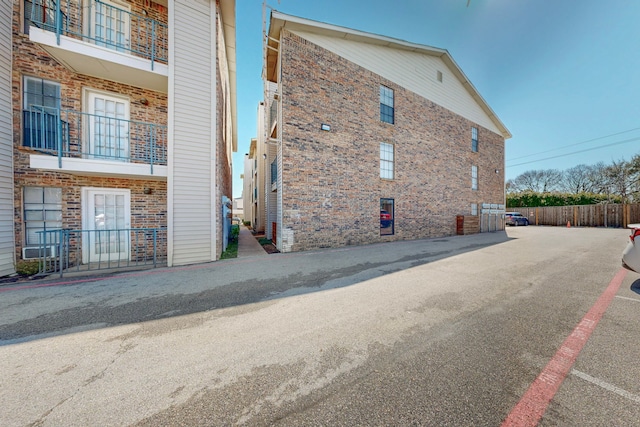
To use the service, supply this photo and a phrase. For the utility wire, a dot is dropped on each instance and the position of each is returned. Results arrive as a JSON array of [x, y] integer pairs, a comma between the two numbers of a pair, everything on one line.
[[576, 152], [573, 145]]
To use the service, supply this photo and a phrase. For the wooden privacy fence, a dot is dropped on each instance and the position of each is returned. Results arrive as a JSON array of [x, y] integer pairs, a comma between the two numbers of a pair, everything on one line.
[[602, 215]]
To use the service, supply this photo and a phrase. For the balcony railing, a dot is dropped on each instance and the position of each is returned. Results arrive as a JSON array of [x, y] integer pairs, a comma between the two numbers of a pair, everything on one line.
[[103, 25], [68, 133], [63, 251]]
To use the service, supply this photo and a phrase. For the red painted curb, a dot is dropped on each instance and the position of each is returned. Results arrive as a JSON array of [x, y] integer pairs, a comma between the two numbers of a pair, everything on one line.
[[533, 404]]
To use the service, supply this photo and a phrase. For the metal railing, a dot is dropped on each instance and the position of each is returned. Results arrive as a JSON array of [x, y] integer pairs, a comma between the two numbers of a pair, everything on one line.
[[104, 25], [90, 250], [70, 133]]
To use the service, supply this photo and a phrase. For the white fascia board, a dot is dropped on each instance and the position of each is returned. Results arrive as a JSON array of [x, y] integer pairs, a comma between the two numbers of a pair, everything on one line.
[[96, 167]]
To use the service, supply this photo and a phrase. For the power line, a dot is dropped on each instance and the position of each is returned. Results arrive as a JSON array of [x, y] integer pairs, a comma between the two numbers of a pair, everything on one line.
[[573, 145], [577, 152]]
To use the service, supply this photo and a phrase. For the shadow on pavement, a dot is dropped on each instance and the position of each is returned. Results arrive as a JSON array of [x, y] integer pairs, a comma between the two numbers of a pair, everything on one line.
[[132, 298]]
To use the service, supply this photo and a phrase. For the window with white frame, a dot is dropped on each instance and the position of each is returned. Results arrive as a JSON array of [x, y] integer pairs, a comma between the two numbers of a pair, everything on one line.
[[474, 209], [386, 105], [474, 177], [110, 24], [474, 139], [42, 211], [386, 160], [108, 128]]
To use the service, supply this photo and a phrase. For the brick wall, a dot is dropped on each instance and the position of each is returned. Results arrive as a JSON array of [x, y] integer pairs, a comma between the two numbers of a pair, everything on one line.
[[331, 180], [147, 210]]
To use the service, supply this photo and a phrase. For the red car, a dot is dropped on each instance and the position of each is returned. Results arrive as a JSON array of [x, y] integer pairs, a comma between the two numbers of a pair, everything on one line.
[[385, 219]]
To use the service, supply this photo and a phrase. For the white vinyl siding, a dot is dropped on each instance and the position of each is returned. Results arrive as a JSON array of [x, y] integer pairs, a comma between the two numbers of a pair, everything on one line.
[[415, 71], [193, 204], [7, 244]]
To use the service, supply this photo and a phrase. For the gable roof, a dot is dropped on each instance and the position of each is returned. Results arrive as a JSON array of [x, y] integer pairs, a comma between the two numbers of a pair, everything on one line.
[[292, 23]]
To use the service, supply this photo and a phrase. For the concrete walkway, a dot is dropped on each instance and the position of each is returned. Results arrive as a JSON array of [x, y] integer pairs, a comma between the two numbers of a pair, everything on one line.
[[248, 245]]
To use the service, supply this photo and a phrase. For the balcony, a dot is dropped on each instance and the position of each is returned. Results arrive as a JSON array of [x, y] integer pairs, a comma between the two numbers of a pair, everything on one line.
[[101, 40], [91, 144]]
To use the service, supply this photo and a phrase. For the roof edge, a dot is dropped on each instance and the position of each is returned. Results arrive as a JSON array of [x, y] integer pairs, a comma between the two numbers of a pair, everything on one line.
[[281, 20]]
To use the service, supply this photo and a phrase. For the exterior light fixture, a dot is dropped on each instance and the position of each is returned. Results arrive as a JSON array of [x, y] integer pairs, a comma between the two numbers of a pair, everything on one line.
[[497, 170], [264, 156], [325, 127]]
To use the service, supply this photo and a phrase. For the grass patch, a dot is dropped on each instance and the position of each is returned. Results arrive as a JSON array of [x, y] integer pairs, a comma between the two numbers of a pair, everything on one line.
[[264, 241], [232, 250]]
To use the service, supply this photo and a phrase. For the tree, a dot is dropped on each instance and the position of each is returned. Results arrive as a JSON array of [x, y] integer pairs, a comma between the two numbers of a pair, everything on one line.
[[620, 179], [540, 181], [577, 180]]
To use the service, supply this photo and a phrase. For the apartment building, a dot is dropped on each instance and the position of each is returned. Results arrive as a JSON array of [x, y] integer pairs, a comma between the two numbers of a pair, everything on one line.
[[124, 124], [254, 178], [373, 139]]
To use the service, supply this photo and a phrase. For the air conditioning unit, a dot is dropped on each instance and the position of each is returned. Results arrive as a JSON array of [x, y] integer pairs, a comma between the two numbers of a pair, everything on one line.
[[34, 252]]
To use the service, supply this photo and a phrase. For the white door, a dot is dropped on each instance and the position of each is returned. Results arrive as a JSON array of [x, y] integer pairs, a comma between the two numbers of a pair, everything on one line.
[[108, 127], [107, 220], [110, 25]]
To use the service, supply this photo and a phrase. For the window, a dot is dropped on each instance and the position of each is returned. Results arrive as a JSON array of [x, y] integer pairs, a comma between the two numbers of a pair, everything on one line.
[[108, 125], [42, 15], [111, 25], [439, 76], [386, 105], [41, 113], [386, 217], [386, 160], [474, 139], [40, 93], [42, 211], [474, 209], [474, 177]]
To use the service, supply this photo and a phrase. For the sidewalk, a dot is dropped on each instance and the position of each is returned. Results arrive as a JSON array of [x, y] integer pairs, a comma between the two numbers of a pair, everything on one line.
[[248, 245]]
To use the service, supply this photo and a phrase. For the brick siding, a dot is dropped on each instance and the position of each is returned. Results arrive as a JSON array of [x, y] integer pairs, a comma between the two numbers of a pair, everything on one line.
[[331, 181], [147, 210]]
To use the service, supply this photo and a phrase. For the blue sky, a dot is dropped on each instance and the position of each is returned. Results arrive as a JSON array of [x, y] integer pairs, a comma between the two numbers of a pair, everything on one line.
[[562, 75]]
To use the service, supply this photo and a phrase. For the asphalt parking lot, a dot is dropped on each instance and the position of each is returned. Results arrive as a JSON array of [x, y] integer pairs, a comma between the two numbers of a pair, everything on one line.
[[451, 331]]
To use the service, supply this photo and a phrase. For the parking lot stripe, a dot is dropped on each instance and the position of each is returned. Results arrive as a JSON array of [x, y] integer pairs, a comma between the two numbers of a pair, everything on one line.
[[533, 404], [606, 385], [627, 298]]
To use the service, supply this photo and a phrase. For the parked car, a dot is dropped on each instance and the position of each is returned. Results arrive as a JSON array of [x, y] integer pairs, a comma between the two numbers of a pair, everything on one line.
[[385, 219], [631, 254], [515, 218]]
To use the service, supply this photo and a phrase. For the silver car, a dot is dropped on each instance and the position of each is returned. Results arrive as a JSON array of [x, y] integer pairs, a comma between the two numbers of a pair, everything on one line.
[[515, 218], [631, 254]]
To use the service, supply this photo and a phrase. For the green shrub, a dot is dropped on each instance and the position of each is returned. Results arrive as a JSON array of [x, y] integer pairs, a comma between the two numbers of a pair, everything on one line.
[[28, 268], [247, 223], [235, 232]]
